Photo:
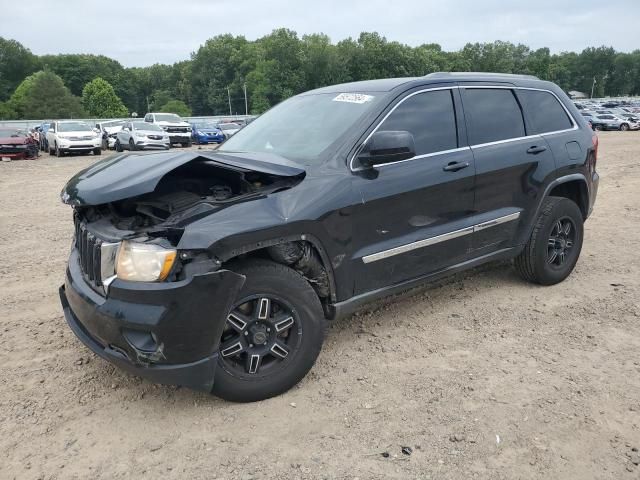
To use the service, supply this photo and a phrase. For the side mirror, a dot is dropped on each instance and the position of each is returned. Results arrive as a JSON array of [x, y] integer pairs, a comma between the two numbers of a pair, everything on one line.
[[386, 147]]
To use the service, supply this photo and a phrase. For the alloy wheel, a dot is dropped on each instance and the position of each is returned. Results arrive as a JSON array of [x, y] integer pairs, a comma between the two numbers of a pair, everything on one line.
[[561, 241], [260, 333]]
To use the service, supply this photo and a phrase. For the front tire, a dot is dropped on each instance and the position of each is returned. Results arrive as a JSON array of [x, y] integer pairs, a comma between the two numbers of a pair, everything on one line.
[[273, 334], [97, 151], [624, 127], [555, 244], [118, 146]]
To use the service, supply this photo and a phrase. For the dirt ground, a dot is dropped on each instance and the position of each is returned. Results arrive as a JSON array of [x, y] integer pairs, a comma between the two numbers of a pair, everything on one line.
[[481, 375]]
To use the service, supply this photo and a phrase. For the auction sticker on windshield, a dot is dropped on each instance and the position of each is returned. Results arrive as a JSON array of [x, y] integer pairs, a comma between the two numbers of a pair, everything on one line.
[[353, 98]]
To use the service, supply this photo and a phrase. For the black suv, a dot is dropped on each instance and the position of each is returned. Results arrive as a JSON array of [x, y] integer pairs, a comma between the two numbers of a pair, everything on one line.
[[218, 269]]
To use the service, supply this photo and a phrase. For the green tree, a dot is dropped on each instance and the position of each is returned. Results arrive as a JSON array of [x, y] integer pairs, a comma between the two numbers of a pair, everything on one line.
[[16, 63], [44, 95], [100, 100], [176, 106], [5, 112]]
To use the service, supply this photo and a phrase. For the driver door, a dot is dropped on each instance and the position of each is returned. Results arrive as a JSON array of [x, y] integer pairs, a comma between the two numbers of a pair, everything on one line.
[[416, 215]]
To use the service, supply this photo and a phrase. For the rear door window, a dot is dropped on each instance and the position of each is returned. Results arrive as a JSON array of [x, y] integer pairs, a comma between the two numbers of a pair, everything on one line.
[[430, 118], [544, 112], [492, 115]]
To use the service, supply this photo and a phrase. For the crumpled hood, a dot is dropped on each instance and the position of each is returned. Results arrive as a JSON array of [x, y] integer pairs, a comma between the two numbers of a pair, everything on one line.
[[130, 175], [13, 140]]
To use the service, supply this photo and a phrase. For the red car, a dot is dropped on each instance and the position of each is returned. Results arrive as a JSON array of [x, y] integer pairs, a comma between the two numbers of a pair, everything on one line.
[[15, 144]]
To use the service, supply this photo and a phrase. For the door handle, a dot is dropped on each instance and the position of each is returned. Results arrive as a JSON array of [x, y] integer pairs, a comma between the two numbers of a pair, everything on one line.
[[536, 150], [455, 166]]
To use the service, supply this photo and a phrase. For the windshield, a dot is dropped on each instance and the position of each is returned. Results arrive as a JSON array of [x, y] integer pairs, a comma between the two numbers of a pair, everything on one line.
[[118, 123], [150, 127], [206, 126], [168, 117], [74, 127], [303, 127], [10, 132]]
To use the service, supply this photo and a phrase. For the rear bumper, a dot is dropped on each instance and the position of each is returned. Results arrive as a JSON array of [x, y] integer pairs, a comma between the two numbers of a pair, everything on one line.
[[166, 332]]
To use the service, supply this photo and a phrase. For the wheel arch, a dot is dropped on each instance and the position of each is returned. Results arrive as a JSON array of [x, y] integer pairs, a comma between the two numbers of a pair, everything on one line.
[[575, 188], [258, 249]]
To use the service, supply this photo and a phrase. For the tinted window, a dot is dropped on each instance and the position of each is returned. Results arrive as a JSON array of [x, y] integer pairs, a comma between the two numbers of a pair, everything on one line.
[[493, 115], [430, 118], [544, 111]]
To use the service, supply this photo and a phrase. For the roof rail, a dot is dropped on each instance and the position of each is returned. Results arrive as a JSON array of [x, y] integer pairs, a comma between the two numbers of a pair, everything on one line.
[[479, 74]]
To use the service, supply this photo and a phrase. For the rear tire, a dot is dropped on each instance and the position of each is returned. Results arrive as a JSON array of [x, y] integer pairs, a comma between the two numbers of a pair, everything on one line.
[[293, 309], [555, 244]]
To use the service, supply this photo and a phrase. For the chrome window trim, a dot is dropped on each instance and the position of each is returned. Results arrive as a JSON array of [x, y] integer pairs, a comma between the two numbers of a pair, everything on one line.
[[450, 87], [459, 149], [427, 242]]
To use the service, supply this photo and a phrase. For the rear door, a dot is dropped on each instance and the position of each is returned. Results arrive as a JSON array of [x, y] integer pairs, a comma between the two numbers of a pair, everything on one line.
[[415, 216], [512, 165]]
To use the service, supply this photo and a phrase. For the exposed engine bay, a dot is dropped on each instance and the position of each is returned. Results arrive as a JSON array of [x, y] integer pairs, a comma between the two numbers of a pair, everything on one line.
[[186, 193]]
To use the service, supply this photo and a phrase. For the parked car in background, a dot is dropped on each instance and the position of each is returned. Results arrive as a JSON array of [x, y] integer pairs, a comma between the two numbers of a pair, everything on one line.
[[108, 130], [72, 136], [229, 129], [179, 131], [206, 132], [16, 144], [141, 136], [43, 128], [612, 122]]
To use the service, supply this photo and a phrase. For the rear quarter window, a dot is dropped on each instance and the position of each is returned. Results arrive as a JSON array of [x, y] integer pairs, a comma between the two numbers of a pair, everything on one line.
[[544, 111], [492, 115]]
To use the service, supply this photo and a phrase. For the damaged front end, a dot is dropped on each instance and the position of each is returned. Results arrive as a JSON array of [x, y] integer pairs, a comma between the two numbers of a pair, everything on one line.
[[130, 294]]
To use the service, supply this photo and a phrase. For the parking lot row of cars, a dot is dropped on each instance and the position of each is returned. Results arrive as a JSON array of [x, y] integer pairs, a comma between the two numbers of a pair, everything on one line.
[[611, 115], [155, 131]]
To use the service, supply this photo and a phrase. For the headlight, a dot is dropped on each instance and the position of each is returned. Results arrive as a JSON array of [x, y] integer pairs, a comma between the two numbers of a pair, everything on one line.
[[143, 262]]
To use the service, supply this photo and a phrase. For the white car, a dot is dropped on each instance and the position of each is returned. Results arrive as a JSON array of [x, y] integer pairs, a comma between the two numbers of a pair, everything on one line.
[[109, 129], [73, 136], [229, 129], [141, 136], [179, 131]]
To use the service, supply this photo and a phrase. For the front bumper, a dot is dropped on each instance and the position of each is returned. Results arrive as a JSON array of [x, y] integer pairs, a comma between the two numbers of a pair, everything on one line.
[[175, 137], [14, 154], [150, 143], [79, 145], [166, 332], [210, 138]]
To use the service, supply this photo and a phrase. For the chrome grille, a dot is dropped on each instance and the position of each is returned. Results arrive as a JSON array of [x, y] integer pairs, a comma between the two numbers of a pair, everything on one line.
[[89, 253]]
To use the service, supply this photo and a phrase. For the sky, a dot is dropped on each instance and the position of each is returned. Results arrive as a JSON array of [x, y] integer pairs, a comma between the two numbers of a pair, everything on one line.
[[144, 32]]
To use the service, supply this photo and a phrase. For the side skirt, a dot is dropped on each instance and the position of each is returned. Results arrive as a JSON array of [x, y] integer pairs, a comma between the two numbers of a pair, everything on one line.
[[347, 307]]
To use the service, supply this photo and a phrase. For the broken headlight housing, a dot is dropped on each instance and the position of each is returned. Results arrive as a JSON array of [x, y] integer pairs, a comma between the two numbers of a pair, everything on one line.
[[144, 262]]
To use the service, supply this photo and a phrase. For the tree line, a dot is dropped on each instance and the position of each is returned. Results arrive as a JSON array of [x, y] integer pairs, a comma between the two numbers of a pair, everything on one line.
[[273, 68]]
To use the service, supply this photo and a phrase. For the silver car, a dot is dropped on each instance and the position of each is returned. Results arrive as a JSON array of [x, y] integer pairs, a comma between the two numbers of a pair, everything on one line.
[[141, 136]]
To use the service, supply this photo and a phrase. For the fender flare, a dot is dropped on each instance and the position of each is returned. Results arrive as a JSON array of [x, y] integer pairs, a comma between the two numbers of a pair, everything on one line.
[[558, 181]]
